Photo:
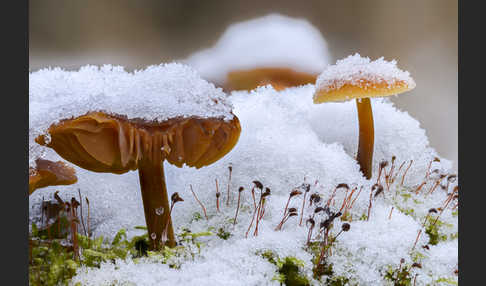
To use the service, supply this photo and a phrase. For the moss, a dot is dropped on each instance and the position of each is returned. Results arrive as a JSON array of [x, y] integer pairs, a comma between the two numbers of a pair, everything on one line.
[[447, 281], [289, 269], [400, 276], [223, 234], [432, 230]]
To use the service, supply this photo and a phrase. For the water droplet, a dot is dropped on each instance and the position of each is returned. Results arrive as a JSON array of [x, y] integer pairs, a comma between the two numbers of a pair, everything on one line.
[[159, 211], [47, 138], [153, 235]]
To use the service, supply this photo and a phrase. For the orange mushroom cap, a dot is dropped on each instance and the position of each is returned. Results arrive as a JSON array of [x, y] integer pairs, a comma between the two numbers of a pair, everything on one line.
[[103, 142], [48, 173], [279, 78]]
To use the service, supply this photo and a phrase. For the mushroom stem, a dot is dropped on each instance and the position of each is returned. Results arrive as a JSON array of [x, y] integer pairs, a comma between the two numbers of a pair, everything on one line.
[[366, 136], [154, 196]]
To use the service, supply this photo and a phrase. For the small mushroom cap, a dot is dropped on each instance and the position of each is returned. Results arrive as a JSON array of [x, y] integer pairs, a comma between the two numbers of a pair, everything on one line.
[[110, 143], [279, 78], [49, 173], [358, 77]]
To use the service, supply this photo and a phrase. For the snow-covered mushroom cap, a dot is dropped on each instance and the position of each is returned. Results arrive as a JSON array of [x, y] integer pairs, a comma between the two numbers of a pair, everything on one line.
[[157, 94], [359, 77], [272, 41]]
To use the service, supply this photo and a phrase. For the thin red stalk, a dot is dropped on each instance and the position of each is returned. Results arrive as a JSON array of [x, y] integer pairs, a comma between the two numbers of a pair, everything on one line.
[[237, 208], [217, 195], [251, 223], [348, 202], [228, 192], [253, 196], [166, 228], [344, 201], [391, 211], [437, 182], [420, 232], [42, 213], [352, 204], [369, 206], [420, 187], [332, 196], [398, 172], [302, 212], [379, 174], [255, 233], [87, 202], [428, 170], [202, 206], [406, 170], [81, 211]]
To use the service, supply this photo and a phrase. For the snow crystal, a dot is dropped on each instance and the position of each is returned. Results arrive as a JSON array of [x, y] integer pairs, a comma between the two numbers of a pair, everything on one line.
[[285, 138], [354, 69], [155, 93], [274, 41]]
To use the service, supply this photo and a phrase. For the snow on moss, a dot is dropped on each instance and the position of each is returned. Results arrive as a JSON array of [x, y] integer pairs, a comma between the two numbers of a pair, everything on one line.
[[270, 41]]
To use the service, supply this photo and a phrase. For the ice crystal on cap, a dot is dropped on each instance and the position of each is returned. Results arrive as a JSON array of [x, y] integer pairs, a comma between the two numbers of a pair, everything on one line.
[[270, 41], [357, 71], [156, 93]]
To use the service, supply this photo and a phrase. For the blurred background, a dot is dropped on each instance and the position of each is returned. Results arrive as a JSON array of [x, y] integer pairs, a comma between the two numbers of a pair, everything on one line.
[[421, 35]]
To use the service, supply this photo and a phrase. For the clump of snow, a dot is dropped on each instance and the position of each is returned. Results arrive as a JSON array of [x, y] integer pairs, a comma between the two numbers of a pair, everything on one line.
[[156, 93], [355, 69], [272, 41], [285, 138]]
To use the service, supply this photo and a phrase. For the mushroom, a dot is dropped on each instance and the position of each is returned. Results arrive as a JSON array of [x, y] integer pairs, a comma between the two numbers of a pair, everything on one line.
[[275, 49], [106, 142], [279, 78], [359, 78], [48, 173]]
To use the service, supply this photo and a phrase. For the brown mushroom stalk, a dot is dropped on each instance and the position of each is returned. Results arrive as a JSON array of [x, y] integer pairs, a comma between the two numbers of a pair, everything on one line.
[[112, 143], [366, 136], [359, 78], [154, 195]]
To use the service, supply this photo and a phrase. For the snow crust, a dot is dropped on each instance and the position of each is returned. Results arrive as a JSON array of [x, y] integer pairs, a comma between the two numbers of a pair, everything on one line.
[[156, 93], [274, 41], [285, 138], [355, 69]]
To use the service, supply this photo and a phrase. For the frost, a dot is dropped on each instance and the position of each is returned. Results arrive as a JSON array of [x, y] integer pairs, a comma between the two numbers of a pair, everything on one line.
[[156, 93], [271, 41], [354, 69], [285, 138]]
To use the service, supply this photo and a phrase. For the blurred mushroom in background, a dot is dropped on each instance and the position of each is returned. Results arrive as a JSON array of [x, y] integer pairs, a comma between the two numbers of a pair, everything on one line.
[[274, 49]]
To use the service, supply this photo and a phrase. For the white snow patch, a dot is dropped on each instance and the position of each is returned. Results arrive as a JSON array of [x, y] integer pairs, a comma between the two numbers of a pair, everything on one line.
[[271, 41]]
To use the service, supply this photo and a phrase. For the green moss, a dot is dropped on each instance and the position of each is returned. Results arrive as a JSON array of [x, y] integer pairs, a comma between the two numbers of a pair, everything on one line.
[[223, 234], [448, 281], [289, 269], [400, 276]]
